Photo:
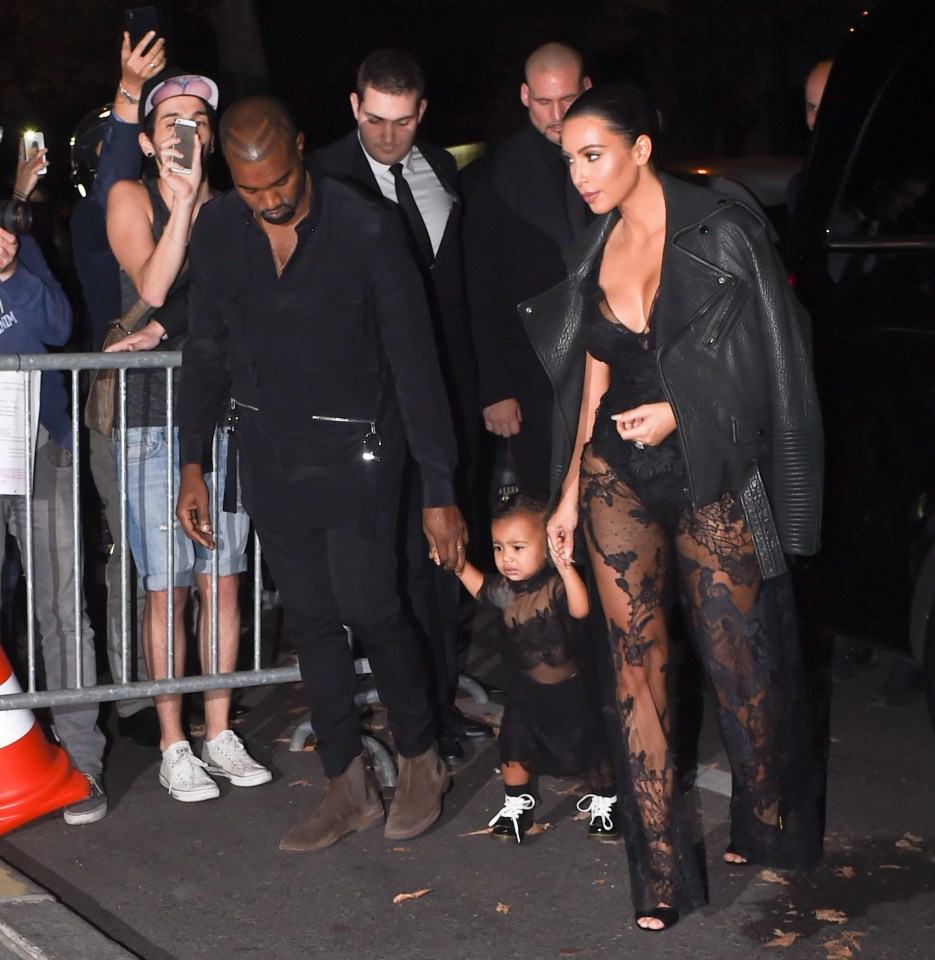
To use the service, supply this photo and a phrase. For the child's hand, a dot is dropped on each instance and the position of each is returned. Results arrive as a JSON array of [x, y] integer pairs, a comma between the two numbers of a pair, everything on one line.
[[558, 561]]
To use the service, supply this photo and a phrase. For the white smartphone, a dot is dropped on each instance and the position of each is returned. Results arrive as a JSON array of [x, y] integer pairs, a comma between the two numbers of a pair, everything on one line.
[[187, 132], [33, 140]]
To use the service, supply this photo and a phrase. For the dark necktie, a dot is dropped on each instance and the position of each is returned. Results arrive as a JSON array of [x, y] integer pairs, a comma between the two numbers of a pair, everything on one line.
[[407, 203]]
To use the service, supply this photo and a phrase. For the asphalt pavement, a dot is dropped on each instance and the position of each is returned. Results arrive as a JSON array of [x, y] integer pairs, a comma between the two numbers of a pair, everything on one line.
[[162, 880]]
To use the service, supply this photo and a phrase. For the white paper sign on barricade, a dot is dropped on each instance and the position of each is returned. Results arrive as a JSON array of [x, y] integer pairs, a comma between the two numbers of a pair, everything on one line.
[[16, 441]]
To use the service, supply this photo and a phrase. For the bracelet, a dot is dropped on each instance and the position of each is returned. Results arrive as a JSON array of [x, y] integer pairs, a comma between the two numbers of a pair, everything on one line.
[[19, 195], [127, 96]]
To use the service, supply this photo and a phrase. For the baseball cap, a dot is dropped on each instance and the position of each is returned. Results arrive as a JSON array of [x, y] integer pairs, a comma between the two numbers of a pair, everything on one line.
[[176, 83]]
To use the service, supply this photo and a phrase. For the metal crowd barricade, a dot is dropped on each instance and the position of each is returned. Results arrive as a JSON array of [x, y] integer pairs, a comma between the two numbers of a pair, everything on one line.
[[84, 691]]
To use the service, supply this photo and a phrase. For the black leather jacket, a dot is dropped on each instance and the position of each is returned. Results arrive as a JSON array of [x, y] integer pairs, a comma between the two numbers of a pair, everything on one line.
[[733, 358]]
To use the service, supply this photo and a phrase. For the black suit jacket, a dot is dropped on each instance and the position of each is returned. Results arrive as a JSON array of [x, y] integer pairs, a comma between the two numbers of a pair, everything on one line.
[[344, 332], [444, 281], [516, 225]]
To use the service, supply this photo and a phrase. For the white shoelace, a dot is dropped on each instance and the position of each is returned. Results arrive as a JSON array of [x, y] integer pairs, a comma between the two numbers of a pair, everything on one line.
[[512, 808], [179, 772], [599, 807]]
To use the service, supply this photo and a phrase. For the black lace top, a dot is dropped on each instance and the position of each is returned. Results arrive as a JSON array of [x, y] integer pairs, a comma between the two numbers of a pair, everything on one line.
[[539, 631], [634, 380]]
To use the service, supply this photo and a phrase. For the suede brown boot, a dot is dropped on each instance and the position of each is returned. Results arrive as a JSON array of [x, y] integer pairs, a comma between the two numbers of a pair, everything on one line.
[[351, 802], [418, 800]]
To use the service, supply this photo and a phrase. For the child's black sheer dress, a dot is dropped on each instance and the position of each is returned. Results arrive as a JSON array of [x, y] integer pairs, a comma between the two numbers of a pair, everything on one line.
[[552, 722], [640, 529]]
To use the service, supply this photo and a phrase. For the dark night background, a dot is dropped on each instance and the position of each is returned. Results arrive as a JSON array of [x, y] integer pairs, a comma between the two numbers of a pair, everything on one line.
[[728, 74]]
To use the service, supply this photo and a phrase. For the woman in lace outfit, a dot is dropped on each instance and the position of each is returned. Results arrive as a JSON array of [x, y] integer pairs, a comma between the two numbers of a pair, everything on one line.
[[696, 466]]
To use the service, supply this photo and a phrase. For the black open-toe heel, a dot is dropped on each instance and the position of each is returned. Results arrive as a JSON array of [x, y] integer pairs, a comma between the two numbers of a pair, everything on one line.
[[668, 915]]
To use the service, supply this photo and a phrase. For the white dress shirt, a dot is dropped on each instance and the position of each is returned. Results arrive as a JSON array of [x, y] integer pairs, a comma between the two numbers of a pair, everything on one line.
[[432, 199]]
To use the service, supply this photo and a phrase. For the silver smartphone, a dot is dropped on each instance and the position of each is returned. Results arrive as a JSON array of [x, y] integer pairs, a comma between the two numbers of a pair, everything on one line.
[[33, 140], [187, 132]]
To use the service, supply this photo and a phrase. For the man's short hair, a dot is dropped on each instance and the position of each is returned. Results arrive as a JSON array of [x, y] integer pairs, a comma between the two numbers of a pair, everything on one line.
[[391, 71], [250, 126]]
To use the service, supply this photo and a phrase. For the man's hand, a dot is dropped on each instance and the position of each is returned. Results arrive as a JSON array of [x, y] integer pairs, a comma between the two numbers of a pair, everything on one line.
[[191, 508], [146, 339], [9, 247], [503, 417], [447, 536]]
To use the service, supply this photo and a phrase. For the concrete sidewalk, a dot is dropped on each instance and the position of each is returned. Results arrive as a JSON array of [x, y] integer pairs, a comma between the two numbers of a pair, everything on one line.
[[34, 925]]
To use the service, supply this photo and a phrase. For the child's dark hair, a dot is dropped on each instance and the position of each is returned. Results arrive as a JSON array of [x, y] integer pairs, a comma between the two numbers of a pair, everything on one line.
[[625, 110], [517, 504]]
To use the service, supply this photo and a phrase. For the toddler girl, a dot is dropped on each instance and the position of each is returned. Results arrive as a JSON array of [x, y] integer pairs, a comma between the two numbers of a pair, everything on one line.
[[552, 722]]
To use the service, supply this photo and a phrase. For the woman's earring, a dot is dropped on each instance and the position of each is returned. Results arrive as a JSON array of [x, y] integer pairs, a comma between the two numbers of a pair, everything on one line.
[[150, 154]]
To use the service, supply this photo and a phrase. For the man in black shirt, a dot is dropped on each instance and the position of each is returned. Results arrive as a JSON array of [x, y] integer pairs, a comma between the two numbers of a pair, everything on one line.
[[304, 296]]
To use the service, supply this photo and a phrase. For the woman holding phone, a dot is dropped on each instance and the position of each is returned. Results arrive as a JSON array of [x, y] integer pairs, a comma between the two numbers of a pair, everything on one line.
[[148, 225]]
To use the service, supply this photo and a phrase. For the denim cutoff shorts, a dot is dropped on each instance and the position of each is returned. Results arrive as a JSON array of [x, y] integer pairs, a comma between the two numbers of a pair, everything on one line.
[[147, 510]]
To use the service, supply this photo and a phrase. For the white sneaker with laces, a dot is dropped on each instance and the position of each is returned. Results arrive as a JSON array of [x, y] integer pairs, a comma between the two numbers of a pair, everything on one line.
[[226, 756], [183, 774]]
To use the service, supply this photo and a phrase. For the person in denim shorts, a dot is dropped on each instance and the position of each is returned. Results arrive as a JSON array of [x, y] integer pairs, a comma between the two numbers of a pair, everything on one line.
[[148, 225]]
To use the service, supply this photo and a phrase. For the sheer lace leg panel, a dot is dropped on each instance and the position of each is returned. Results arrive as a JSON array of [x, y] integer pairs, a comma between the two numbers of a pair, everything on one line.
[[740, 635], [630, 554]]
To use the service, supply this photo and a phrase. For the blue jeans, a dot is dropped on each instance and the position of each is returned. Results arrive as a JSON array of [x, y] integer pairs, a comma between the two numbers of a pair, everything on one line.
[[147, 518]]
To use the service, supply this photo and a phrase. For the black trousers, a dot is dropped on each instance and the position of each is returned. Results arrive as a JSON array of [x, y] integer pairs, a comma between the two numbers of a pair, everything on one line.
[[331, 576], [434, 597]]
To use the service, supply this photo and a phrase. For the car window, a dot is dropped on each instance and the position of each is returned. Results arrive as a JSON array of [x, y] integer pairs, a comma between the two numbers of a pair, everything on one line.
[[881, 234]]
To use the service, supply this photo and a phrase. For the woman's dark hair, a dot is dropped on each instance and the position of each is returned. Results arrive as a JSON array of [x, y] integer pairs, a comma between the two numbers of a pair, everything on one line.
[[623, 108], [517, 504]]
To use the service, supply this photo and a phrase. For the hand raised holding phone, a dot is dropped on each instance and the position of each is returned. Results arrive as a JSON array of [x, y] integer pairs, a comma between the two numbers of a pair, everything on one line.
[[187, 146]]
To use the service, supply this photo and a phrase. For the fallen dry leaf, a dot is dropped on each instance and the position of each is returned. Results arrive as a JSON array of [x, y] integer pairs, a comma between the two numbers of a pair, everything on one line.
[[831, 916], [283, 740], [597, 883], [584, 815], [912, 837], [770, 876], [561, 791], [840, 949], [538, 828], [906, 845], [846, 872], [892, 866], [415, 895], [400, 849], [502, 908], [782, 939], [476, 833], [301, 783]]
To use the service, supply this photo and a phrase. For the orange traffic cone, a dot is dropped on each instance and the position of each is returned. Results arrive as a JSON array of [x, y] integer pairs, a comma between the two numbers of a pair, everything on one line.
[[35, 777]]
